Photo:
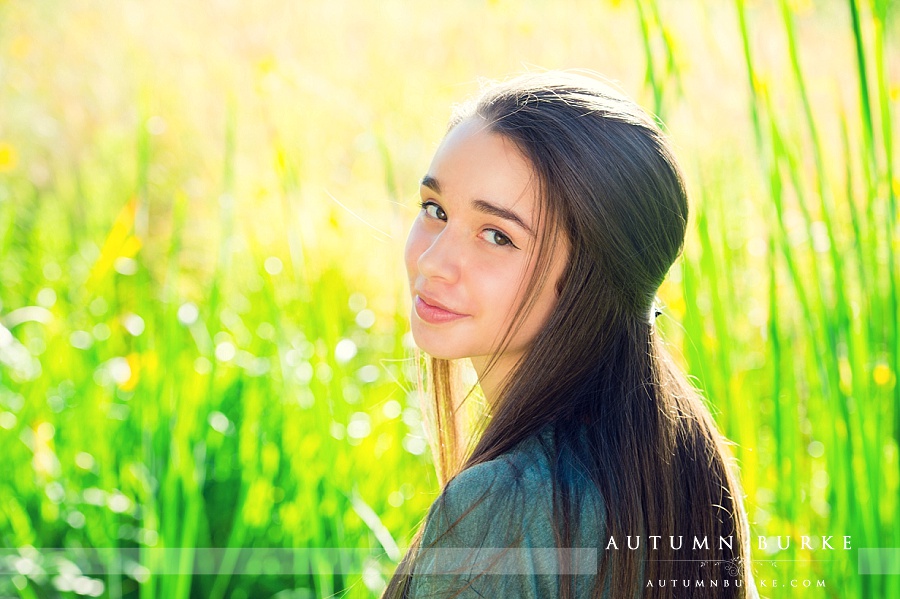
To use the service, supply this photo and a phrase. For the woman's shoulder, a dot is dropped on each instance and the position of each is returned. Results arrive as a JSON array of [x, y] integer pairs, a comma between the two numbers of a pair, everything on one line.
[[527, 463], [497, 517], [507, 495], [523, 469]]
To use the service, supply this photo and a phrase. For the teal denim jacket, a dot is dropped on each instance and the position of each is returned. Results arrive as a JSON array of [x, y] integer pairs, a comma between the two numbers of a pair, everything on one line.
[[505, 546], [517, 502]]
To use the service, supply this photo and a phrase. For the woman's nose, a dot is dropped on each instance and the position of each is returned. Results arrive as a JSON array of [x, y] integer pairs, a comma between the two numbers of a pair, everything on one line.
[[441, 258]]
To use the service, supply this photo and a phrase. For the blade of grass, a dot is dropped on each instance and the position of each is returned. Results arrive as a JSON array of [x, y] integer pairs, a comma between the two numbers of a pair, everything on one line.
[[650, 77]]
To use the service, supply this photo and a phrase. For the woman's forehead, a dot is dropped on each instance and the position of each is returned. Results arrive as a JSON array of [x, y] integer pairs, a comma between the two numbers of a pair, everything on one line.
[[474, 163]]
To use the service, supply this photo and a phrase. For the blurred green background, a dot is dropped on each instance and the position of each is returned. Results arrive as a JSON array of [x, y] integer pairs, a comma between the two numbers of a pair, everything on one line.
[[203, 308]]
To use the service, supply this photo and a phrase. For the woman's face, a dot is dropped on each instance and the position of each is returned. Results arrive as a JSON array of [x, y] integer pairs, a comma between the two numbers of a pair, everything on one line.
[[468, 250]]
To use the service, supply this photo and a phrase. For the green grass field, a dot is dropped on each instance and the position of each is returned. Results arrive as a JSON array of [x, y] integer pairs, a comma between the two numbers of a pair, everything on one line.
[[203, 307]]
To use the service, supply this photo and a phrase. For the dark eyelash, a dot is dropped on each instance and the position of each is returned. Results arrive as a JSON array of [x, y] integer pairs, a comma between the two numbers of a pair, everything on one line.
[[423, 203]]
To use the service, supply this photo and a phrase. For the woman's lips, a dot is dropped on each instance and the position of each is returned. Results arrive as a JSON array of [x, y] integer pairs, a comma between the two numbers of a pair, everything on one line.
[[433, 314]]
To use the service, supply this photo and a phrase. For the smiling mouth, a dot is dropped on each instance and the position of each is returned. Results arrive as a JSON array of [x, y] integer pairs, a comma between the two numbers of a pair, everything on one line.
[[434, 314]]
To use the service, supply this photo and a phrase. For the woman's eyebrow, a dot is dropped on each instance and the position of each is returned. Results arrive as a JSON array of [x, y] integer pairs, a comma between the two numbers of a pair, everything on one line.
[[501, 212], [483, 206], [431, 183]]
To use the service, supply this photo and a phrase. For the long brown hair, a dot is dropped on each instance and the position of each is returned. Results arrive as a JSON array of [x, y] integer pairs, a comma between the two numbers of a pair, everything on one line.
[[610, 185]]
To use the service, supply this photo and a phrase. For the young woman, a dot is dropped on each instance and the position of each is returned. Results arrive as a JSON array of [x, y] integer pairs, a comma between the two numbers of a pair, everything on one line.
[[551, 212]]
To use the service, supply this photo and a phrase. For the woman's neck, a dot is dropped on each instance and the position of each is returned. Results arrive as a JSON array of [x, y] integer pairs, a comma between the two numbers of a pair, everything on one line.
[[492, 380]]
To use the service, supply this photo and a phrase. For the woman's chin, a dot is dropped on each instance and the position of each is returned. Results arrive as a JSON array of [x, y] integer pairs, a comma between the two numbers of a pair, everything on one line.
[[434, 347], [444, 342], [437, 352]]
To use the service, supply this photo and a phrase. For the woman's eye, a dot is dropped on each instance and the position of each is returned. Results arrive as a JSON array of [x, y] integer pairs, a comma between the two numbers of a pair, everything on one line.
[[498, 238], [433, 210]]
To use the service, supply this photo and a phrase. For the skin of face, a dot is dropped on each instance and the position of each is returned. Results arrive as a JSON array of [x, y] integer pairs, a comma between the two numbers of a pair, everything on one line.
[[474, 262]]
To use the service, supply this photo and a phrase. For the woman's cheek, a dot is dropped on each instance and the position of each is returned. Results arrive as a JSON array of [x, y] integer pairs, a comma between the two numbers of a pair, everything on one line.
[[499, 290], [515, 285]]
